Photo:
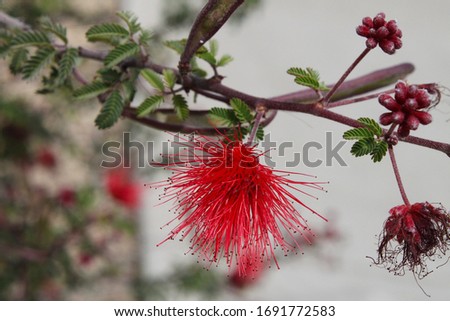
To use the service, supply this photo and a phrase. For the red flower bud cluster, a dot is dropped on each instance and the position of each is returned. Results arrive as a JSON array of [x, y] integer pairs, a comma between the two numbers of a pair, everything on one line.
[[407, 108], [380, 32], [413, 234]]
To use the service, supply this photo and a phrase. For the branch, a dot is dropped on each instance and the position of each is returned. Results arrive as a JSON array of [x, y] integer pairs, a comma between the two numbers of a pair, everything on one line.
[[210, 19], [214, 89]]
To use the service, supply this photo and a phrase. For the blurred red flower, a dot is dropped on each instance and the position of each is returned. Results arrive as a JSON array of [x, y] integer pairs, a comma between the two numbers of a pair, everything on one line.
[[123, 188], [46, 158]]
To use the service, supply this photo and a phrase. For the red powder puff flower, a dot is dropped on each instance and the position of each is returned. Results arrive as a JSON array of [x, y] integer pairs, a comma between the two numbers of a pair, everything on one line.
[[252, 268], [380, 32], [413, 234], [231, 204], [122, 188], [408, 107]]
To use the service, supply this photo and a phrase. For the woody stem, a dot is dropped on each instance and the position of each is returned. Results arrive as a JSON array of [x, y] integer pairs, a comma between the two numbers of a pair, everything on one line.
[[327, 98], [258, 118], [397, 176]]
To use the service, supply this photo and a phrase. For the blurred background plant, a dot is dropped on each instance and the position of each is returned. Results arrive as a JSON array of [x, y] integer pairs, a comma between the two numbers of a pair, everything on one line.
[[68, 228]]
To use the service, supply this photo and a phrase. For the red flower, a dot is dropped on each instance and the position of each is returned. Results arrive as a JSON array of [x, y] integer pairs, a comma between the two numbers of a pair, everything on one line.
[[122, 188], [67, 197], [413, 234], [46, 158], [231, 204], [408, 107], [252, 267], [380, 32], [85, 258]]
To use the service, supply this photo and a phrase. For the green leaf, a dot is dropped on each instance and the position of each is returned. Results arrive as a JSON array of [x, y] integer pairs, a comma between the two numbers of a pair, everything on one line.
[[224, 60], [242, 111], [213, 47], [66, 65], [41, 59], [208, 57], [149, 105], [18, 59], [372, 125], [225, 116], [91, 90], [30, 38], [131, 20], [260, 133], [111, 111], [120, 53], [145, 37], [178, 46], [106, 31], [379, 151], [57, 29], [181, 106], [153, 79], [307, 77], [170, 78], [358, 133], [363, 147], [196, 70], [109, 76]]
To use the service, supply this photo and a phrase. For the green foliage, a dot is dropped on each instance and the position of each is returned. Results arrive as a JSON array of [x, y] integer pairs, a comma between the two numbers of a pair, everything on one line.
[[358, 133], [131, 20], [170, 78], [30, 38], [241, 110], [224, 116], [379, 151], [369, 140], [208, 57], [372, 125], [66, 65], [307, 77], [57, 29], [181, 106], [120, 53], [109, 76], [240, 116], [149, 105], [260, 133], [41, 59], [19, 57], [224, 60], [363, 147], [91, 90], [178, 46], [111, 111], [213, 47], [153, 79], [104, 32]]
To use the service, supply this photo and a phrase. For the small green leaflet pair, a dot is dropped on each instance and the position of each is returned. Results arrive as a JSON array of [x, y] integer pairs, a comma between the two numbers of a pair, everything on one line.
[[238, 116], [369, 140], [168, 81], [308, 77], [208, 55]]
